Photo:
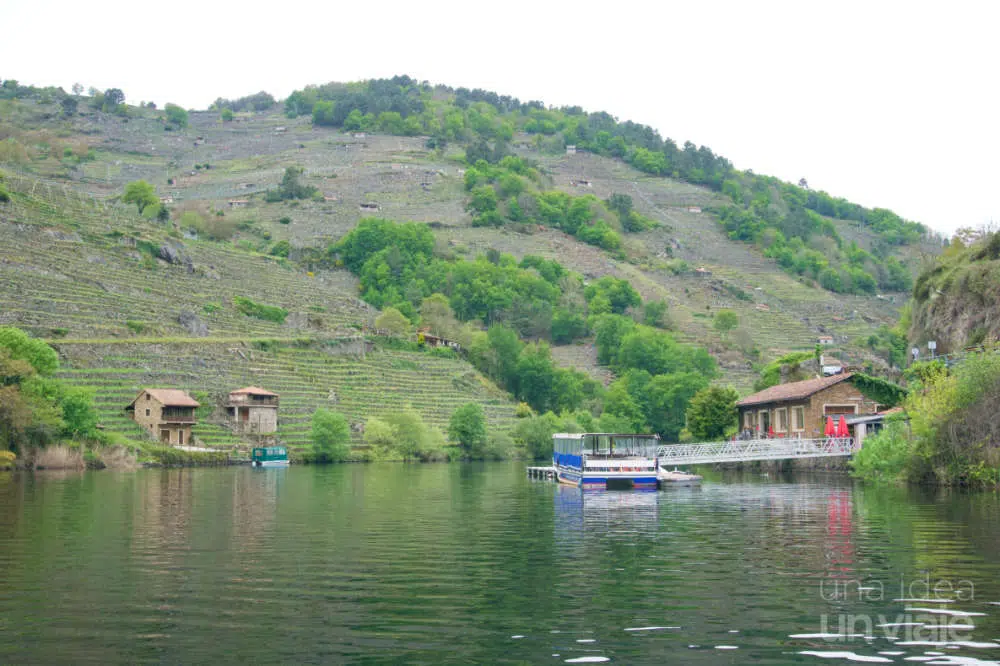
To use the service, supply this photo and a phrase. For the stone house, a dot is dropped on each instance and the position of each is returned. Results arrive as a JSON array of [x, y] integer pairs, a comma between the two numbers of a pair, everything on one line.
[[167, 414], [799, 409], [571, 149], [253, 410]]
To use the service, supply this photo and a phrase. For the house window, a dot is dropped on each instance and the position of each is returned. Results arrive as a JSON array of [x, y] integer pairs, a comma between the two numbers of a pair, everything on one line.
[[781, 420], [798, 419], [180, 437], [147, 396], [147, 412]]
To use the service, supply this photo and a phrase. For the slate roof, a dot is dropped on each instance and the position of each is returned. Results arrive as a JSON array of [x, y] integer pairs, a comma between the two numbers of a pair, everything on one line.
[[792, 391]]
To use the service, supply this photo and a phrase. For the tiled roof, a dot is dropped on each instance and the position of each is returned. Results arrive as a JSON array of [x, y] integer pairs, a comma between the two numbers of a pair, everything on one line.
[[253, 390], [792, 391], [170, 398]]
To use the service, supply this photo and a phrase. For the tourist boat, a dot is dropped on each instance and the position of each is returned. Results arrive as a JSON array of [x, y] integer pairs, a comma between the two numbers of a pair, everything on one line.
[[605, 461], [269, 456]]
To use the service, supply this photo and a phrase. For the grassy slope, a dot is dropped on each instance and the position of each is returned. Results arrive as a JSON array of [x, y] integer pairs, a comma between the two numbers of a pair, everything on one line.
[[412, 183]]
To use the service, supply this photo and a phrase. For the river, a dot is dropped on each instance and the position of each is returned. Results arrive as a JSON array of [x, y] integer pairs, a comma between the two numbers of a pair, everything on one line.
[[474, 563]]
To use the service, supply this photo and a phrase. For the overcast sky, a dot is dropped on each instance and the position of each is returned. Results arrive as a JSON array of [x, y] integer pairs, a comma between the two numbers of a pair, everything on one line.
[[888, 104]]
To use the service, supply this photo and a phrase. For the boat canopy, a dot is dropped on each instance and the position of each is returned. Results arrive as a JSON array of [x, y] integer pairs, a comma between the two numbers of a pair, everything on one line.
[[606, 444], [270, 453]]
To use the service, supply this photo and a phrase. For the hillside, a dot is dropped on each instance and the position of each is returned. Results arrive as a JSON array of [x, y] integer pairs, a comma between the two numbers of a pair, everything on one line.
[[81, 268], [955, 299]]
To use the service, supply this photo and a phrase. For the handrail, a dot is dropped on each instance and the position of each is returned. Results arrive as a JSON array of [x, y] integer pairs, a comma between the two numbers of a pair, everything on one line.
[[753, 449]]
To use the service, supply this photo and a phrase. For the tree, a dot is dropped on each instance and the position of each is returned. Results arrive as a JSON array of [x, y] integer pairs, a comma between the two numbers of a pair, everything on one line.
[[42, 358], [712, 412], [653, 313], [176, 115], [393, 321], [226, 115], [113, 97], [290, 187], [380, 436], [725, 321], [331, 436], [667, 401], [77, 89], [140, 193], [437, 315], [69, 105], [415, 438], [468, 428]]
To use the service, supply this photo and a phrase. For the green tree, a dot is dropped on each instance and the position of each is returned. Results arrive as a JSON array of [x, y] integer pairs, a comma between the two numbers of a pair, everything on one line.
[[69, 105], [78, 413], [176, 115], [416, 440], [393, 321], [712, 412], [725, 321], [19, 346], [226, 115], [667, 401], [331, 436], [653, 313], [534, 435], [323, 113], [113, 97], [467, 428], [140, 193], [437, 315], [381, 436]]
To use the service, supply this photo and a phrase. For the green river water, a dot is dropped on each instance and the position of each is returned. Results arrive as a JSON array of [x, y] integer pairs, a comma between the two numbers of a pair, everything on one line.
[[476, 564]]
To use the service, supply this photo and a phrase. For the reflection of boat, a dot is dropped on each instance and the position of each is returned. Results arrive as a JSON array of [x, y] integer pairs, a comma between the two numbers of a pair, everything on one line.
[[676, 477], [582, 512], [269, 456], [605, 461]]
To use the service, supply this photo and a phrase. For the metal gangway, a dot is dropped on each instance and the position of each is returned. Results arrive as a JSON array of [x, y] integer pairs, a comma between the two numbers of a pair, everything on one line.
[[747, 450]]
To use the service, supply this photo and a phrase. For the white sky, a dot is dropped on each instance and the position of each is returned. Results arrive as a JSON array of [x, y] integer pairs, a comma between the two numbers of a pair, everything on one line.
[[888, 104]]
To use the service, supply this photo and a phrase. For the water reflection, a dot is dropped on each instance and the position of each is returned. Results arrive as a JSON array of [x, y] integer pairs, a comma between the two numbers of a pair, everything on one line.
[[447, 563]]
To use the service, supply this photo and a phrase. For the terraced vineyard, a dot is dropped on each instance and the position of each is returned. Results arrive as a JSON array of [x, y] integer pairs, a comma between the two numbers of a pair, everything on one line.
[[71, 267], [305, 377]]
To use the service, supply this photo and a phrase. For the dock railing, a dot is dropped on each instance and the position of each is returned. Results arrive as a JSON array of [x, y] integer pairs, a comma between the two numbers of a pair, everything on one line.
[[753, 449]]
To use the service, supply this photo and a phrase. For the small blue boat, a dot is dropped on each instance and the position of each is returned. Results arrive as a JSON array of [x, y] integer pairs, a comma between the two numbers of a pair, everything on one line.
[[269, 456]]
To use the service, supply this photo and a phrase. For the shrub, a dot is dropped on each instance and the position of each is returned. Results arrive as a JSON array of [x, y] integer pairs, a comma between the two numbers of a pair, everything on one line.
[[331, 436], [136, 327], [284, 220], [281, 249], [884, 456], [468, 428], [259, 310], [226, 115], [4, 194]]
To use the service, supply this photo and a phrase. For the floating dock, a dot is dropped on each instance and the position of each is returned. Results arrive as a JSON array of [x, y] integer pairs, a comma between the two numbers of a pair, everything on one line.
[[544, 473]]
